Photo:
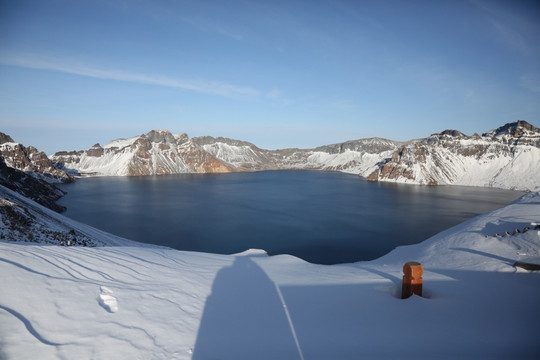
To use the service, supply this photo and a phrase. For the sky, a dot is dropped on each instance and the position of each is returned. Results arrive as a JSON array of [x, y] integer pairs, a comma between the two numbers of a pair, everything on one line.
[[276, 73]]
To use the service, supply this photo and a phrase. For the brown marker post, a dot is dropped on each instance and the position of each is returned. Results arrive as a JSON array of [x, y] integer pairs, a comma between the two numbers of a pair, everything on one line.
[[412, 279]]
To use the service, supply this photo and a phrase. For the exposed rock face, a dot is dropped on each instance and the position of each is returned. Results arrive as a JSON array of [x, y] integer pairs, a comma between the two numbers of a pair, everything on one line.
[[32, 187], [507, 155], [4, 138], [95, 151], [30, 160], [449, 132], [20, 220], [157, 152], [516, 133]]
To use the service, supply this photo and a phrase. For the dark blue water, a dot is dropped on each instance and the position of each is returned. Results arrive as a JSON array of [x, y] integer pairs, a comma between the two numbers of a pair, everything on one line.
[[322, 217]]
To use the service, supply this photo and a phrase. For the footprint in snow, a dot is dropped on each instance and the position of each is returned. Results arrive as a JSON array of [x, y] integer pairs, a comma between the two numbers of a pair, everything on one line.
[[106, 299]]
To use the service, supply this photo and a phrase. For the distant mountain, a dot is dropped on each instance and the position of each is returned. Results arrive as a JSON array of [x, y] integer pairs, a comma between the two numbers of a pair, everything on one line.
[[241, 155], [353, 156], [160, 152], [507, 157]]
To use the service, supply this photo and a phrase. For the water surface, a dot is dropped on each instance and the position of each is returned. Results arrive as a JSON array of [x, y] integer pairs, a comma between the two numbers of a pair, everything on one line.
[[322, 217]]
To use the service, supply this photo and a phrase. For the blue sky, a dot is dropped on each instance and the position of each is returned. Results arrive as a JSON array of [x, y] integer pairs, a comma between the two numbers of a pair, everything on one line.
[[276, 73]]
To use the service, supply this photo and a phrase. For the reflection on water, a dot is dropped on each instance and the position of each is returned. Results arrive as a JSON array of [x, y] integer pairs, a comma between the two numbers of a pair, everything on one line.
[[322, 217]]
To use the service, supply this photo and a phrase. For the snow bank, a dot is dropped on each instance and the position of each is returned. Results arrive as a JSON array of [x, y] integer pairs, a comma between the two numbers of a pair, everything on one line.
[[134, 302]]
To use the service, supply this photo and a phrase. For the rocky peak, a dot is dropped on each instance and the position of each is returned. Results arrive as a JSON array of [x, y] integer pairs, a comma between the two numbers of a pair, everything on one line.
[[96, 150], [30, 159], [209, 140], [182, 138], [514, 129], [446, 136], [370, 145], [160, 136], [449, 132], [4, 138]]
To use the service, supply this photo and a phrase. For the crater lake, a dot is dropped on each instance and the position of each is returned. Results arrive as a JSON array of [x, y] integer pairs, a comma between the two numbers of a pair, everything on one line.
[[321, 217]]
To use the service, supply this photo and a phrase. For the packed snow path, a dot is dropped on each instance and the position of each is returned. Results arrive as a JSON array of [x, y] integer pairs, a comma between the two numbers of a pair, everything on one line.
[[131, 302]]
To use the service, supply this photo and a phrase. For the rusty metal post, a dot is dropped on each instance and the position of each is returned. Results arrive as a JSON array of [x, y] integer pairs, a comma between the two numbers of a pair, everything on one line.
[[412, 279]]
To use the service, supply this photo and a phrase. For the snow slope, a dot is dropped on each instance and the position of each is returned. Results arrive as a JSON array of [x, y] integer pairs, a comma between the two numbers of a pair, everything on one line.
[[22, 219], [518, 169], [147, 302], [508, 157]]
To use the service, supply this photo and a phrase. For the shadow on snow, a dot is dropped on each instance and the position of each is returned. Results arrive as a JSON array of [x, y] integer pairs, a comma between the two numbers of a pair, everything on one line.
[[247, 316]]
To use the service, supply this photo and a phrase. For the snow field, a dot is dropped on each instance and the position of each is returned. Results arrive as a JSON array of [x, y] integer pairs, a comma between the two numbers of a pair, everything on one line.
[[144, 302]]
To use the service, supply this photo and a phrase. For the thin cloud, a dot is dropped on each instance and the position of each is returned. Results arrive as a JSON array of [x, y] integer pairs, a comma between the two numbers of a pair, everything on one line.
[[512, 25], [206, 87], [274, 94]]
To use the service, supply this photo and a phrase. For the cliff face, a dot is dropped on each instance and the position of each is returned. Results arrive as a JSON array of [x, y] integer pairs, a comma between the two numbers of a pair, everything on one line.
[[30, 160], [32, 187], [506, 157], [157, 152]]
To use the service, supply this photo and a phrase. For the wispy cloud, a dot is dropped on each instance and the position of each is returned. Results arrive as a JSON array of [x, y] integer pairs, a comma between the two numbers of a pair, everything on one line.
[[511, 25], [230, 33], [206, 87], [274, 94]]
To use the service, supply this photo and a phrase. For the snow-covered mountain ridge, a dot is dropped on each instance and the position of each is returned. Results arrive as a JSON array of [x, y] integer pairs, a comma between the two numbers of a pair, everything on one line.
[[160, 152], [157, 152], [125, 300], [507, 157]]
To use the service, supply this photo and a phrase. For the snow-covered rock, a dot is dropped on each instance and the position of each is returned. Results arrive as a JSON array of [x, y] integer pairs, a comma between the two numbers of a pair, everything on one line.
[[157, 152], [358, 156], [24, 220], [160, 152], [508, 157], [31, 161], [240, 154], [33, 187]]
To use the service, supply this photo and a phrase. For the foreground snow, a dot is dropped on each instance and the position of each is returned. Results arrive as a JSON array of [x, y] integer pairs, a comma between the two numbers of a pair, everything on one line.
[[135, 302]]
